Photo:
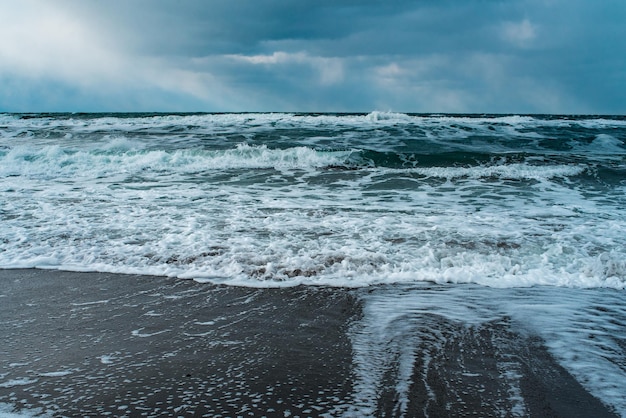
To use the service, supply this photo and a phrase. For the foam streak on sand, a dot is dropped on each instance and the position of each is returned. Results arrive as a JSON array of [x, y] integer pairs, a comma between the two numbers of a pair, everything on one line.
[[403, 328]]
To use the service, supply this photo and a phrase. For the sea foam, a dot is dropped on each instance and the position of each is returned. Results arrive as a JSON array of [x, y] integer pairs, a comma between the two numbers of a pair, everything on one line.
[[342, 200]]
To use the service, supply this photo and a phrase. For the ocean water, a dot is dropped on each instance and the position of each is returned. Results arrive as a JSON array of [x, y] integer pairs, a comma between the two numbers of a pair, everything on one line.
[[346, 200], [504, 203]]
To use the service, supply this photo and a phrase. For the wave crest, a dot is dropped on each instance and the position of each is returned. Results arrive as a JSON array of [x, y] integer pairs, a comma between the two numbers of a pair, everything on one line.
[[377, 116], [53, 161]]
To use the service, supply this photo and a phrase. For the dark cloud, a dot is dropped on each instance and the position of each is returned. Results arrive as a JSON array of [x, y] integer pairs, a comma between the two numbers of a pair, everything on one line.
[[466, 56], [200, 27]]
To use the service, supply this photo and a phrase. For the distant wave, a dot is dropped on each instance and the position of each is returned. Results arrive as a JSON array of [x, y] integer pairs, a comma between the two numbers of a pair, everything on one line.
[[159, 122], [120, 157], [377, 116]]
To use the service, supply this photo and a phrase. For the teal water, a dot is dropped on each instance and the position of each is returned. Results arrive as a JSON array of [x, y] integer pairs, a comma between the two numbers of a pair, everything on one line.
[[339, 199], [531, 205]]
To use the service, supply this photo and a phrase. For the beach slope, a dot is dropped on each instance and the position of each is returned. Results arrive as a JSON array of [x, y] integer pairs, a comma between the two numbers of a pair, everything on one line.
[[90, 344]]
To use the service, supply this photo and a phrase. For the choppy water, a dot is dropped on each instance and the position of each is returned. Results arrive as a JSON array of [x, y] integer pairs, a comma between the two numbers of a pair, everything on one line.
[[269, 200], [348, 200]]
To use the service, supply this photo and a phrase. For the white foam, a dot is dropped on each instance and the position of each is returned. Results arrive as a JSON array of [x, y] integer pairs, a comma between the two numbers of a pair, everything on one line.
[[138, 333], [9, 411], [59, 373], [268, 235], [505, 171], [253, 214], [52, 162], [107, 359], [377, 116], [582, 329], [247, 121], [17, 382], [608, 144], [584, 332], [97, 302]]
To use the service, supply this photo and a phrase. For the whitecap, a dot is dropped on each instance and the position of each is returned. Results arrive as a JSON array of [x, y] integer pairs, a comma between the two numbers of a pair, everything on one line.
[[607, 144]]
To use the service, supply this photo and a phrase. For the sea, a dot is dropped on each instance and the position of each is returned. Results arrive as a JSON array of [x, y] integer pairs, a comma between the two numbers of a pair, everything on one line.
[[526, 211]]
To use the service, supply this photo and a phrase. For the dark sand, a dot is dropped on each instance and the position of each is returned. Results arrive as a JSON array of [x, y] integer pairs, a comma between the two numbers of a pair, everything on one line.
[[91, 344]]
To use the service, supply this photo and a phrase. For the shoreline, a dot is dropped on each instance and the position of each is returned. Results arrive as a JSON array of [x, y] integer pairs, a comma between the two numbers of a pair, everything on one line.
[[127, 345]]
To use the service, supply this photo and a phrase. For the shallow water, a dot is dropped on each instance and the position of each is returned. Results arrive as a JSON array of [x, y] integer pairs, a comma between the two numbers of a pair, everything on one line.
[[583, 329], [94, 344]]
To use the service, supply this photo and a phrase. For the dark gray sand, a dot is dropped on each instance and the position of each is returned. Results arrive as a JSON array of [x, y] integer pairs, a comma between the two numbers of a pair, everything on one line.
[[92, 344]]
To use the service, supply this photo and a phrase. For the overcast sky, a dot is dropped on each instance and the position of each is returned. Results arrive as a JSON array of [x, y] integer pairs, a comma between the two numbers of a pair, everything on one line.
[[475, 56]]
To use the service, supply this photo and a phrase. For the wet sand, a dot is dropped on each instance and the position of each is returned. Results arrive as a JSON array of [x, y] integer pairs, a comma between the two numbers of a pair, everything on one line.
[[94, 344]]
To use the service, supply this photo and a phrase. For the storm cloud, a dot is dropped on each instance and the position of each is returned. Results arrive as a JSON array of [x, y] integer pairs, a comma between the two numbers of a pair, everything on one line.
[[516, 56]]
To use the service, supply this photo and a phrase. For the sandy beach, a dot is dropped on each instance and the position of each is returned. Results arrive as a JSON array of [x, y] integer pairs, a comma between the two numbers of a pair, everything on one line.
[[96, 344]]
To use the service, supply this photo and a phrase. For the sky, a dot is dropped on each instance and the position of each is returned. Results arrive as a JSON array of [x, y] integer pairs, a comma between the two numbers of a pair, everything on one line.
[[453, 56]]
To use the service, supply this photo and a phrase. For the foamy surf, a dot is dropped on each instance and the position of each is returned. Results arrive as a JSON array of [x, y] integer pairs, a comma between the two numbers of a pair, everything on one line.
[[341, 200]]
